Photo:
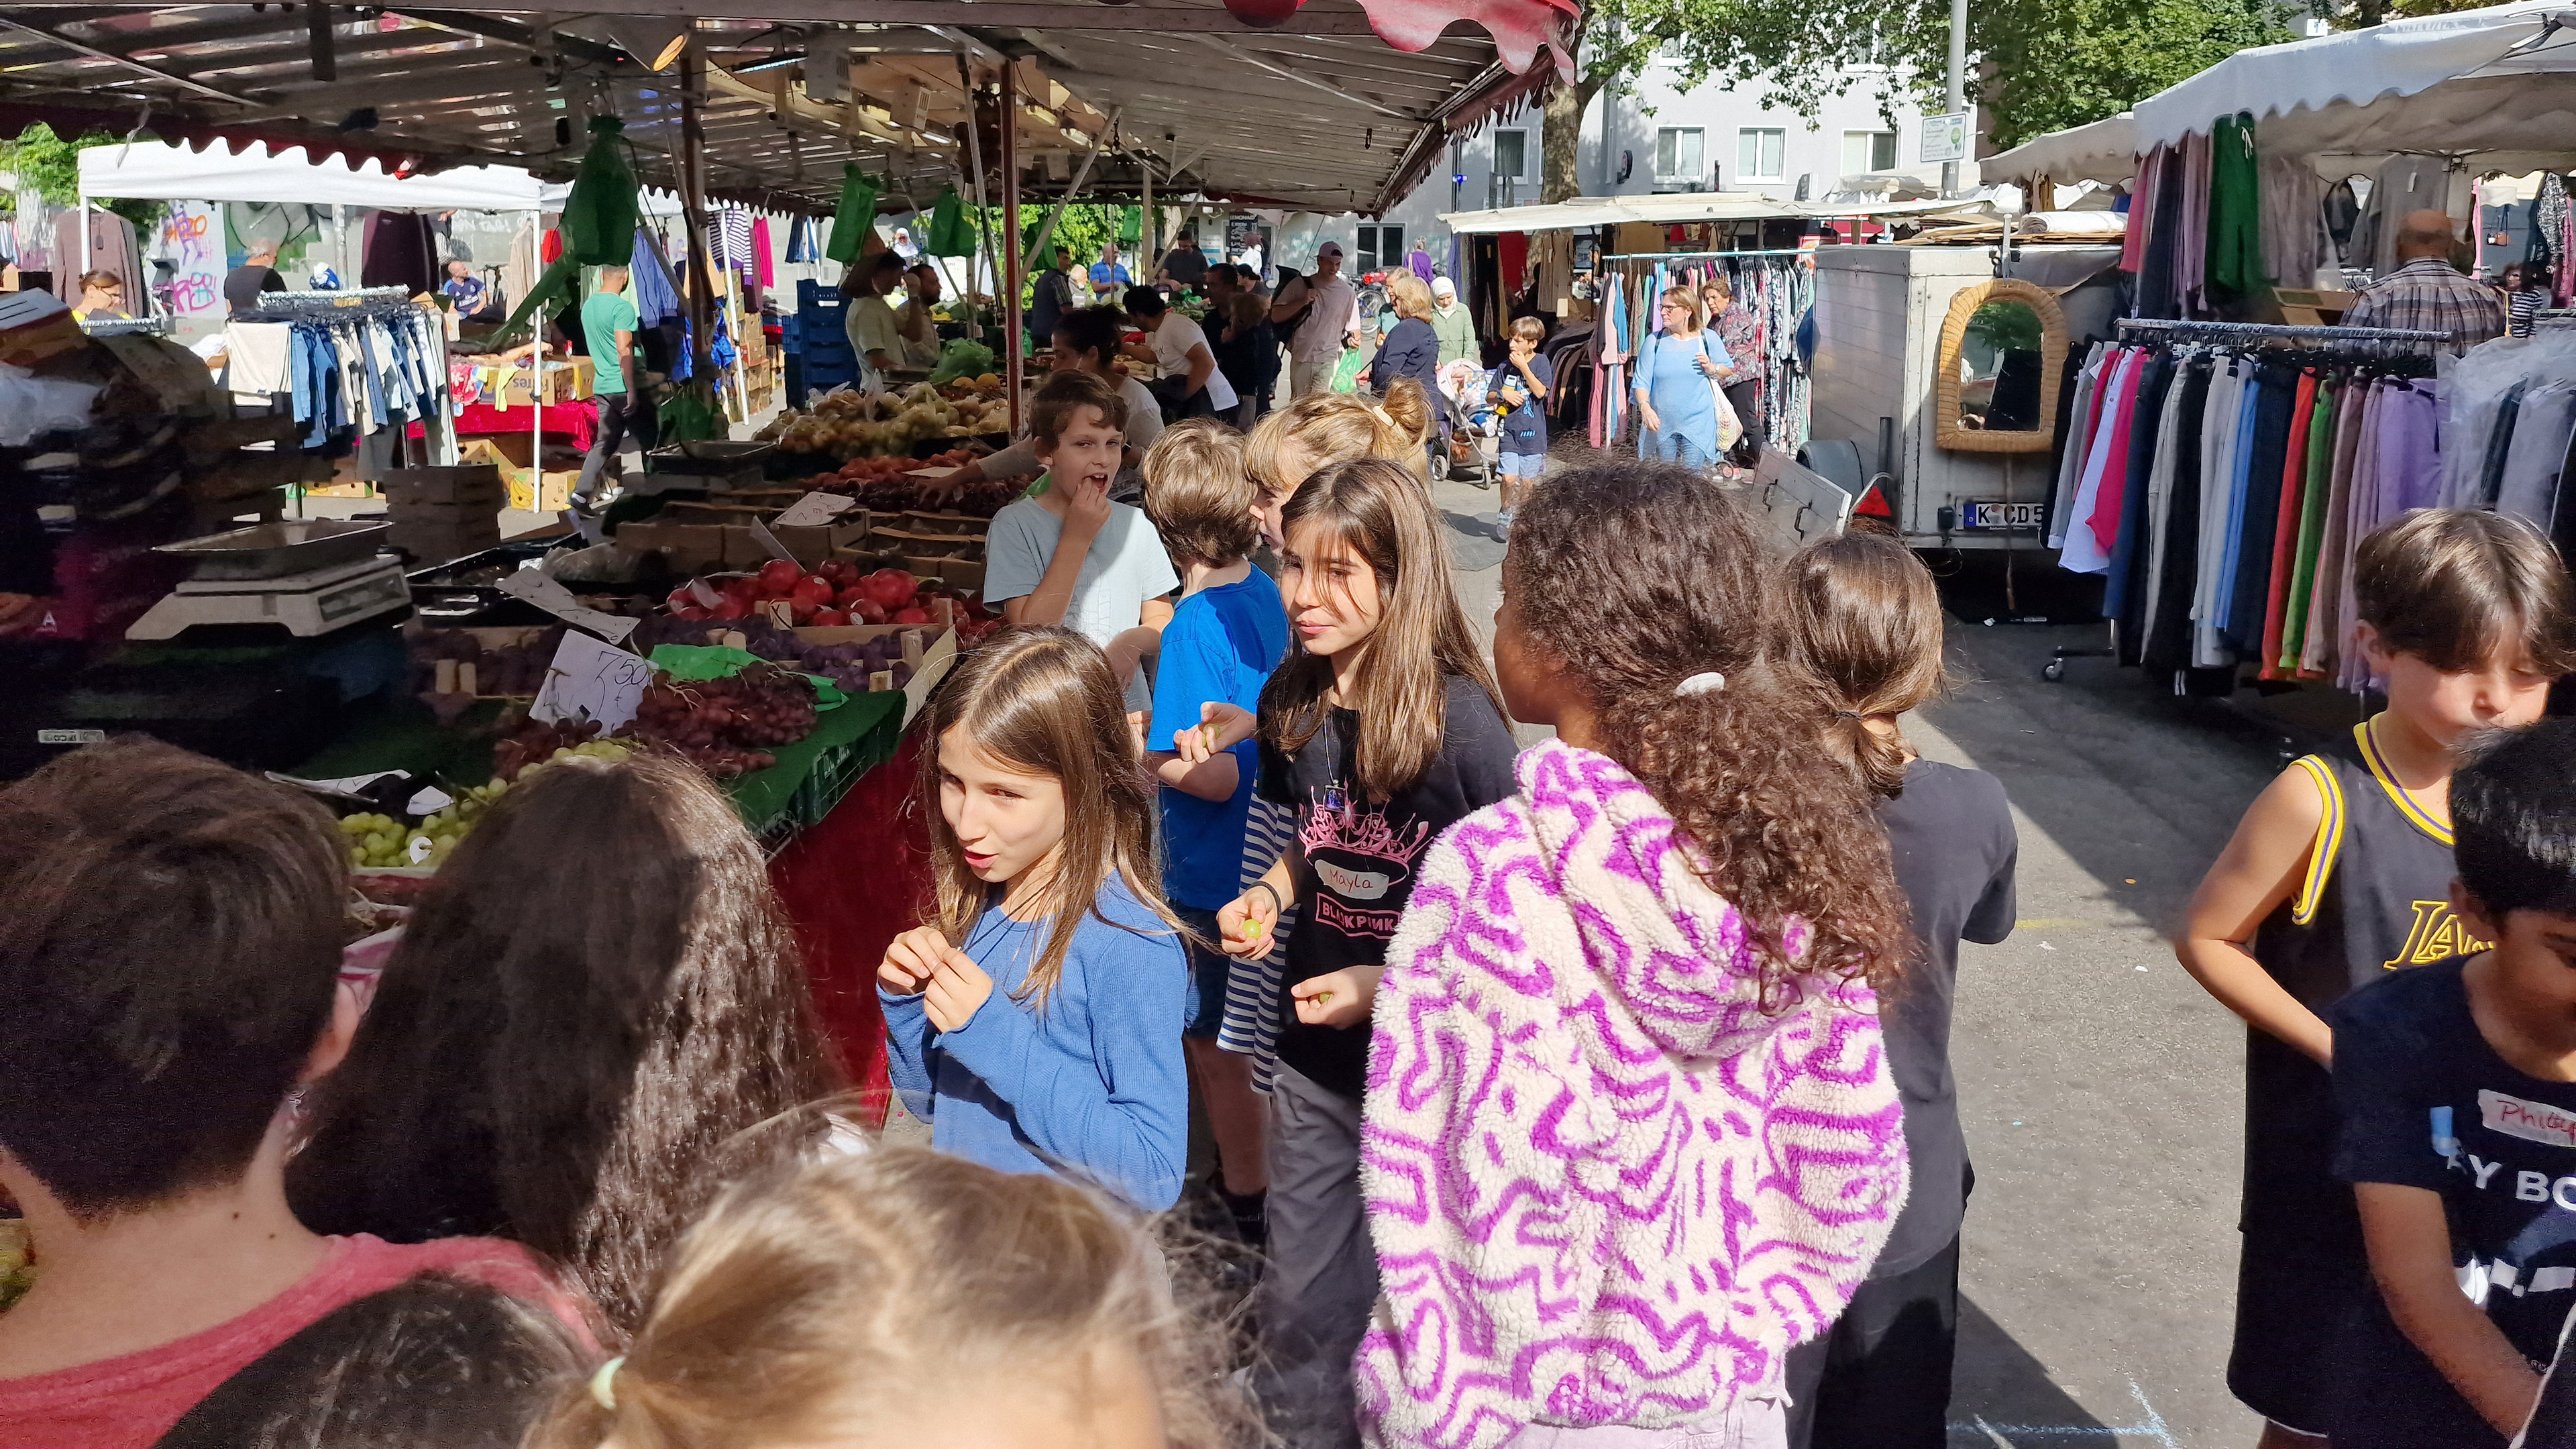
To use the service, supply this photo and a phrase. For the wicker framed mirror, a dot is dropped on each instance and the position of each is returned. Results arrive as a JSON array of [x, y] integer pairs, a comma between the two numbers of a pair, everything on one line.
[[1995, 387]]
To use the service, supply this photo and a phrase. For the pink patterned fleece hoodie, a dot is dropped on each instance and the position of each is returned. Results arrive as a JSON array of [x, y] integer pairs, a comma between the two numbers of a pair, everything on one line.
[[1604, 1185]]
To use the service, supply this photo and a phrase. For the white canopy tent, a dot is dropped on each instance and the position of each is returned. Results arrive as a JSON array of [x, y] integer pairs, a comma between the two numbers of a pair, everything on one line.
[[2492, 89], [1679, 207], [158, 171]]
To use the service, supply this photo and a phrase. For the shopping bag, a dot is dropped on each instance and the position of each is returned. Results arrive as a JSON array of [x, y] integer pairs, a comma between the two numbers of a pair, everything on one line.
[[950, 234], [1346, 373], [1730, 428], [856, 216]]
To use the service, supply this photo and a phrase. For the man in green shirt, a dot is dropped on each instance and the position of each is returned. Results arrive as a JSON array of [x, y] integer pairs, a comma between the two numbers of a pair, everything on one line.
[[1452, 324], [608, 324]]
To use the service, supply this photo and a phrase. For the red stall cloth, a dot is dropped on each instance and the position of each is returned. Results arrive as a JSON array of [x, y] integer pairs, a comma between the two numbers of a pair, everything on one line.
[[851, 884], [573, 422]]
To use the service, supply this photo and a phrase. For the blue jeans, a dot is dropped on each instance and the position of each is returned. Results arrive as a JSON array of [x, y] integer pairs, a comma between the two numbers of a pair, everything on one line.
[[1674, 448]]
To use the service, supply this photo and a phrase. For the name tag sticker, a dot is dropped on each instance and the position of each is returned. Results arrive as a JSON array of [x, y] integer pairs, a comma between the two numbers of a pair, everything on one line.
[[2530, 1121]]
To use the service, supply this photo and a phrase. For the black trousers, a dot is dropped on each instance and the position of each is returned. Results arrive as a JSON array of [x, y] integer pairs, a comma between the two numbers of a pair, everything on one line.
[[1746, 399], [1881, 1378], [620, 414]]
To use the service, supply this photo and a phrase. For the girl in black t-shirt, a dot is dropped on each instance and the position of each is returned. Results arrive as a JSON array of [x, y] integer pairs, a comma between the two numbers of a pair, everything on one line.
[[1380, 731]]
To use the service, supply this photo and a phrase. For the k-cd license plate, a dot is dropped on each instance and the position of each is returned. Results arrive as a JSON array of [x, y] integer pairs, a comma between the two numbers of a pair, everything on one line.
[[1995, 513]]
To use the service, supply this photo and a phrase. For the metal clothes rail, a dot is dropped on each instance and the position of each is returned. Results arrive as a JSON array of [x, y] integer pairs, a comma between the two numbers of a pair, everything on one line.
[[1699, 256], [2280, 329]]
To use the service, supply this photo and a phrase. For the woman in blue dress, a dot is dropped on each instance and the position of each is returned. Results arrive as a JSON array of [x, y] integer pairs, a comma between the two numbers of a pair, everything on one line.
[[1674, 397]]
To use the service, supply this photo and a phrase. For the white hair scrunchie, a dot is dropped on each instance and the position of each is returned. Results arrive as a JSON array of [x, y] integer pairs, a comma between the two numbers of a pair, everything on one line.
[[1706, 683], [602, 1384]]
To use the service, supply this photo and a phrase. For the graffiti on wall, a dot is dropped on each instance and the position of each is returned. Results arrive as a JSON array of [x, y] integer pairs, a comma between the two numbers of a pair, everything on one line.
[[193, 240]]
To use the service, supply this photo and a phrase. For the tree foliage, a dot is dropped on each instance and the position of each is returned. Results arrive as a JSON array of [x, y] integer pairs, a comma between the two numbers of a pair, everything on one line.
[[2036, 65], [50, 166]]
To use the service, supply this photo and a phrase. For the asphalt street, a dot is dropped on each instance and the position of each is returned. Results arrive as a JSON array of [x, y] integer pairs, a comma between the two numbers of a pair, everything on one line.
[[2100, 1087]]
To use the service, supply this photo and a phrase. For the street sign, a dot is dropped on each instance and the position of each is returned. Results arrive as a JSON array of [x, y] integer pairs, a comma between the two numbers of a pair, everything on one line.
[[1945, 138]]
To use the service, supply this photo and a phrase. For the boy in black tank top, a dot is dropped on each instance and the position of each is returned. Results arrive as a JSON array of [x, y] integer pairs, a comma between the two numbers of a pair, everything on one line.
[[2339, 875]]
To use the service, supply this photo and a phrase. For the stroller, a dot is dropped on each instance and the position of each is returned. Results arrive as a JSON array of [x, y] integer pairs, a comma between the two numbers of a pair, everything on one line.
[[1470, 446]]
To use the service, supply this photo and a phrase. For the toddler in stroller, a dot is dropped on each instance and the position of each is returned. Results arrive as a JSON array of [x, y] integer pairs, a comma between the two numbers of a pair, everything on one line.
[[1470, 431]]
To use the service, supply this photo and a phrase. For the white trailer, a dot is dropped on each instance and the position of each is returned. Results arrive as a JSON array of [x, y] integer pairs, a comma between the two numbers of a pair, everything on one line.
[[1879, 311]]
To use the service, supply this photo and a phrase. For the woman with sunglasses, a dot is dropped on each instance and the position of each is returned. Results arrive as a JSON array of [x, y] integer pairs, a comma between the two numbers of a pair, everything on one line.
[[102, 297], [1675, 399]]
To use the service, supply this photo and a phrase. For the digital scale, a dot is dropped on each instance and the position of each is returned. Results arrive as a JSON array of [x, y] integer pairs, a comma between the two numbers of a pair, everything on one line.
[[309, 577]]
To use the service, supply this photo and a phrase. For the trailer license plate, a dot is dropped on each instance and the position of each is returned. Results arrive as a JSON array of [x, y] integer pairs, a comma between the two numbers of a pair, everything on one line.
[[1995, 513]]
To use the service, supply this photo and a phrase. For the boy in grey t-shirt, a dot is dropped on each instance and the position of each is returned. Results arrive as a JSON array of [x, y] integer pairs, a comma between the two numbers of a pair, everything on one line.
[[1070, 556]]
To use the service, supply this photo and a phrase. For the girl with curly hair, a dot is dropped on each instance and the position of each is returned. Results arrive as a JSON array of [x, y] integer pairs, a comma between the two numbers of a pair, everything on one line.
[[1627, 1075]]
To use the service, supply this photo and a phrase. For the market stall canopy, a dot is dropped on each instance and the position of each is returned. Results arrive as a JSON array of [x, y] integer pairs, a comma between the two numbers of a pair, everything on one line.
[[2103, 150], [2493, 88], [1334, 105], [159, 171]]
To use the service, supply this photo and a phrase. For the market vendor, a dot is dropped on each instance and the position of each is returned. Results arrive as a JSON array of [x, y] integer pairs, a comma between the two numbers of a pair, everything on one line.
[[1191, 386], [875, 332], [1185, 265], [1087, 341], [1110, 278], [916, 321], [1051, 296]]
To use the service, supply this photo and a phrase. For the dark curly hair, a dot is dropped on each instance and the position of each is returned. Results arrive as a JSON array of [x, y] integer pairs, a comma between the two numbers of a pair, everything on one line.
[[1640, 575], [596, 1017]]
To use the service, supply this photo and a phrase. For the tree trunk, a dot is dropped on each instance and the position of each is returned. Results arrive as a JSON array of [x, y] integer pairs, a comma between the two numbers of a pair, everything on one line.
[[1560, 132]]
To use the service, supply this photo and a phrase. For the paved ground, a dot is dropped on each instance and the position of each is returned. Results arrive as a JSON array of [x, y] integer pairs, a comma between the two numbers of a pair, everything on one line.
[[2100, 1087]]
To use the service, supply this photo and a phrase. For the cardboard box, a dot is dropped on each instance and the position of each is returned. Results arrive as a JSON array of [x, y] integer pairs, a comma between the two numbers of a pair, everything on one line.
[[939, 651], [447, 515], [965, 573], [690, 548], [813, 545], [474, 483], [566, 380], [531, 494]]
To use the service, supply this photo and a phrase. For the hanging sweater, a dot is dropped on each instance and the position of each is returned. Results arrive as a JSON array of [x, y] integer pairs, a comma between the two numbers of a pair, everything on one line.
[[1604, 1185]]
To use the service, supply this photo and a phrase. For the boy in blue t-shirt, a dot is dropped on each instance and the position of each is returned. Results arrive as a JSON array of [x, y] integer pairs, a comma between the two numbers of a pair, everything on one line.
[[1519, 389], [1228, 633], [2456, 1084]]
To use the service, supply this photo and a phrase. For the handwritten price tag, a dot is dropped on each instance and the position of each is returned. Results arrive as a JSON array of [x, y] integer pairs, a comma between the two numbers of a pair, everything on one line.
[[814, 510], [591, 680], [533, 586]]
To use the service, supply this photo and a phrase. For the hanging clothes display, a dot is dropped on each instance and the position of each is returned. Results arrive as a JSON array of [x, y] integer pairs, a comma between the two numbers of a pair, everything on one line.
[[352, 369], [764, 270], [400, 251], [651, 284], [2508, 424], [2236, 265], [1776, 293], [2294, 224], [2222, 486], [111, 249], [804, 243]]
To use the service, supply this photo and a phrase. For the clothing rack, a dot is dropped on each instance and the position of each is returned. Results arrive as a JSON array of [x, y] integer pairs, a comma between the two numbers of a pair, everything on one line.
[[2258, 330], [1697, 256], [362, 294], [128, 327]]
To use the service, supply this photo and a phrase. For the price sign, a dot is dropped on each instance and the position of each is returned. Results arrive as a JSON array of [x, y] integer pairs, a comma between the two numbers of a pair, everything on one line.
[[814, 510], [533, 586], [1945, 138], [591, 680]]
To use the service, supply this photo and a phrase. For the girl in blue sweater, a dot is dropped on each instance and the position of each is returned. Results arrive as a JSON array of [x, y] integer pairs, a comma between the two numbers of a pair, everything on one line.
[[1035, 1021]]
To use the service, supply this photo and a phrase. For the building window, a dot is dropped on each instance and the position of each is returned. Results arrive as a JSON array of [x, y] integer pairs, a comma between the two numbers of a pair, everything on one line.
[[1381, 248], [1680, 153], [1868, 151], [1511, 154], [1759, 153]]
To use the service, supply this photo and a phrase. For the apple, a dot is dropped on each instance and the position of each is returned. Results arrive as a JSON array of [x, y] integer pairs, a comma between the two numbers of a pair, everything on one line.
[[803, 611], [890, 588], [830, 618], [730, 608], [813, 589], [779, 575], [911, 616], [870, 611], [850, 597]]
